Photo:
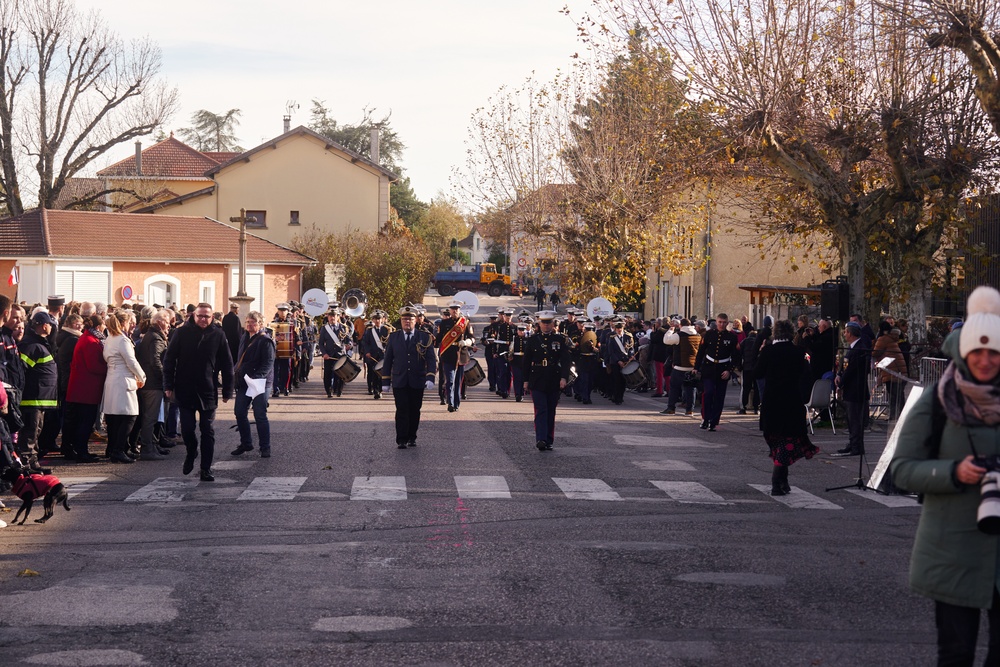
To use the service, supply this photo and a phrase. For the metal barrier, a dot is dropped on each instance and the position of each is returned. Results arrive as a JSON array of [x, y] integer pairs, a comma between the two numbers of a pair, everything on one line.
[[931, 370]]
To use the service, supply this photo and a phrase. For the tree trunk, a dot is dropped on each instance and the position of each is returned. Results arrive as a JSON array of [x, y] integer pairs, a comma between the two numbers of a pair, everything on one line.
[[853, 252]]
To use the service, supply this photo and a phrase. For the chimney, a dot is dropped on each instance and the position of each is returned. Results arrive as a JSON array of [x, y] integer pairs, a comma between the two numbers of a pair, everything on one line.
[[375, 149], [138, 158], [288, 123]]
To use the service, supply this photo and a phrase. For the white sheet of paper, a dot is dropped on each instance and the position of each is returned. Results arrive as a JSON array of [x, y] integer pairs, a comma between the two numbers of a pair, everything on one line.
[[884, 363], [255, 386]]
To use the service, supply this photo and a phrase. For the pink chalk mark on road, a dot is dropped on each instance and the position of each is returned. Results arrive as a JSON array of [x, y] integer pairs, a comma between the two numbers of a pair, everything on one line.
[[448, 532]]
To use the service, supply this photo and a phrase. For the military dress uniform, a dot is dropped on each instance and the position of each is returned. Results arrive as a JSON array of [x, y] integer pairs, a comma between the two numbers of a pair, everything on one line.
[[546, 362], [618, 349], [505, 333], [572, 330], [517, 361], [718, 353], [490, 352], [333, 339]]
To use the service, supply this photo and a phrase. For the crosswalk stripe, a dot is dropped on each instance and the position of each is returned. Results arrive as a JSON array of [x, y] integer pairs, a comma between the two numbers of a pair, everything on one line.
[[379, 488], [272, 488], [77, 485], [163, 490], [689, 492], [585, 489], [482, 486], [888, 501], [678, 443], [798, 499]]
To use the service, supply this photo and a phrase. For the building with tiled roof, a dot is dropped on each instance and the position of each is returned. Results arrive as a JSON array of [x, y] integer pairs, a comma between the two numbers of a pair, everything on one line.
[[99, 256], [294, 181]]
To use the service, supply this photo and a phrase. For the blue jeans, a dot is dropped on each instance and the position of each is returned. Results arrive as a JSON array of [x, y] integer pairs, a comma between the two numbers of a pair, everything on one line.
[[453, 383], [679, 391], [241, 410]]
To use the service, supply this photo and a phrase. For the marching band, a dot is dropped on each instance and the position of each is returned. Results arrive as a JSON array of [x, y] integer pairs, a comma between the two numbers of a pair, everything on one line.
[[538, 355]]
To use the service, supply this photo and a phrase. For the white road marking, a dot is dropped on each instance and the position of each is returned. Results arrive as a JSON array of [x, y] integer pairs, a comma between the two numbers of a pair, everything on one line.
[[379, 488], [668, 464], [798, 499], [77, 485], [888, 501], [273, 488], [689, 492], [163, 489], [585, 489], [679, 443], [482, 486]]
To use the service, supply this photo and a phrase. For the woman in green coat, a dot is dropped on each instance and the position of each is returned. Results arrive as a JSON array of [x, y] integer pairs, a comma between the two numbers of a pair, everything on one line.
[[950, 426]]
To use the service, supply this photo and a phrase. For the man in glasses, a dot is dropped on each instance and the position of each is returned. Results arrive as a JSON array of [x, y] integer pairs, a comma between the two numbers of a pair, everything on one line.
[[196, 354]]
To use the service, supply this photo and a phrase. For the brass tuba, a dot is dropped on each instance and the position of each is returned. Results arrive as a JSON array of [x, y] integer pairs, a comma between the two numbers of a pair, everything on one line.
[[355, 301]]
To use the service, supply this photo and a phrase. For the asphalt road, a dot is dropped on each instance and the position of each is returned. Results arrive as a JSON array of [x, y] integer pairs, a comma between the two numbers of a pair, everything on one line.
[[640, 540]]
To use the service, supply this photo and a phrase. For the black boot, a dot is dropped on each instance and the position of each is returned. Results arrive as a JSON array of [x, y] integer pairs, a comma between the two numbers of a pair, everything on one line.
[[779, 474]]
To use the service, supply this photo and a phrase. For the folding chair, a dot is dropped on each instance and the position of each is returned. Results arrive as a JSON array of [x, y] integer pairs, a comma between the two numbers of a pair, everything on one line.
[[819, 400]]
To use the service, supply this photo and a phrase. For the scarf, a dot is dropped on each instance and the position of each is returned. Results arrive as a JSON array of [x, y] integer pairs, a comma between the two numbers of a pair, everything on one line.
[[967, 402]]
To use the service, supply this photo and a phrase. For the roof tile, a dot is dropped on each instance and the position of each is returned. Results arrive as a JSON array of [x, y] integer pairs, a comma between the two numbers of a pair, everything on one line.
[[171, 158], [135, 237]]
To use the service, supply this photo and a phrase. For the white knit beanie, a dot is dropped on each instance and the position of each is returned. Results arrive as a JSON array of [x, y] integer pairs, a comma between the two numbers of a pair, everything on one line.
[[982, 322]]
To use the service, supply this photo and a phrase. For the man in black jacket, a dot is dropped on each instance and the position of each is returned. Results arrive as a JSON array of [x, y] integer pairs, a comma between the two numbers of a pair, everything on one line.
[[409, 368], [196, 354], [718, 356], [231, 325], [149, 354], [255, 359]]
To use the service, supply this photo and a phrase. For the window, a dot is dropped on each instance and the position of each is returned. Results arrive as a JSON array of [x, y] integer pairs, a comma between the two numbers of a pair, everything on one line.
[[206, 289], [84, 285], [257, 219], [293, 217]]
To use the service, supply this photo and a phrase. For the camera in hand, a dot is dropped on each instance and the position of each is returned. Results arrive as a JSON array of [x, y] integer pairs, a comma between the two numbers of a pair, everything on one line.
[[991, 463], [988, 516]]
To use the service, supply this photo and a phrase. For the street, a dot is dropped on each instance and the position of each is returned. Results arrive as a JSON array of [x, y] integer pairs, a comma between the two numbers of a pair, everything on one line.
[[640, 540]]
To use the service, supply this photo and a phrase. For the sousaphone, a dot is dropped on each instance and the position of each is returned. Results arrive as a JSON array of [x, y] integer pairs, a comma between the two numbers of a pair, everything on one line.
[[355, 301]]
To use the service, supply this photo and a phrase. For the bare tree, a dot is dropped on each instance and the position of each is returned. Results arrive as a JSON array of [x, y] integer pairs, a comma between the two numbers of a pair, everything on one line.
[[71, 91], [830, 109], [973, 28]]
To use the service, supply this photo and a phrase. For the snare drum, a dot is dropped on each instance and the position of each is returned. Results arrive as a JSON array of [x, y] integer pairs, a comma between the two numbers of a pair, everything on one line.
[[572, 376], [283, 340], [378, 367], [346, 368], [634, 376], [473, 373]]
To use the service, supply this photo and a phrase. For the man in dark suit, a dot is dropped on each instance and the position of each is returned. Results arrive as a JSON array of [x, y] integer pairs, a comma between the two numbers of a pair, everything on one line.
[[408, 367], [196, 354], [853, 382], [234, 330]]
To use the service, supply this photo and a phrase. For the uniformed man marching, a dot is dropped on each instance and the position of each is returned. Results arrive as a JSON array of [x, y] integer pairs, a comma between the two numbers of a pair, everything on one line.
[[546, 369], [408, 367], [718, 356]]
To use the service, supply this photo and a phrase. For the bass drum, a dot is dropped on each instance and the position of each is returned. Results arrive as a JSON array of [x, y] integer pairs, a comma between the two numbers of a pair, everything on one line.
[[473, 373], [346, 368], [634, 376]]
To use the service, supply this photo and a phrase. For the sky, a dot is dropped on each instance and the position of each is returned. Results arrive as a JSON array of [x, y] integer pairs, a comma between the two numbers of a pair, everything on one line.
[[430, 63]]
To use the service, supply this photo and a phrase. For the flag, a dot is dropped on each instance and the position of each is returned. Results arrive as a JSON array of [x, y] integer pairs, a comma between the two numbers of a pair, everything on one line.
[[13, 278]]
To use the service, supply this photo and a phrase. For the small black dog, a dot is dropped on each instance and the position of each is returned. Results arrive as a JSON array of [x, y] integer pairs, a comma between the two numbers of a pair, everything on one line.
[[29, 486]]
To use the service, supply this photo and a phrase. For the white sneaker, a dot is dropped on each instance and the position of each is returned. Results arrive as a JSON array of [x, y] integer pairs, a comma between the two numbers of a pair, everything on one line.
[[2, 524]]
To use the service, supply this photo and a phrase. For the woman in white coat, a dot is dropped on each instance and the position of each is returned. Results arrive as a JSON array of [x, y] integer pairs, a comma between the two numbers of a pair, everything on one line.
[[125, 376]]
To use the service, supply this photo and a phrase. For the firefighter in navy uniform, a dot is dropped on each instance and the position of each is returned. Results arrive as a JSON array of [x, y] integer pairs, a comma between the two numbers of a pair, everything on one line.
[[546, 370], [373, 346]]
